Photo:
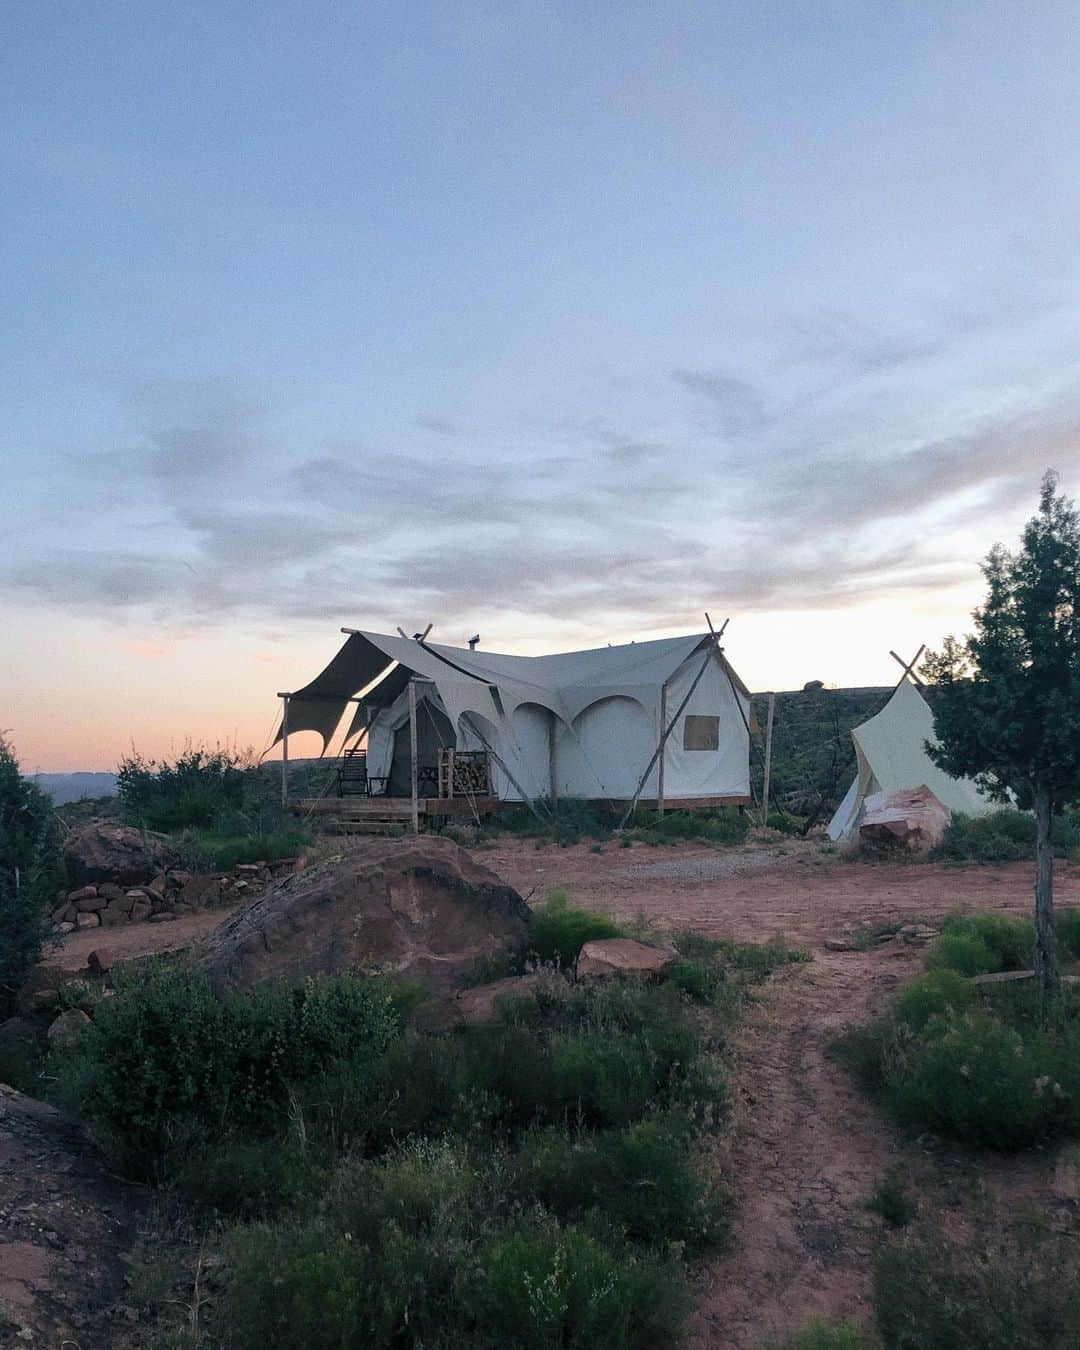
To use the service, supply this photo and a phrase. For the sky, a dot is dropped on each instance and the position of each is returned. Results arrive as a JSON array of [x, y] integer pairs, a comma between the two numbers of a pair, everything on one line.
[[562, 323]]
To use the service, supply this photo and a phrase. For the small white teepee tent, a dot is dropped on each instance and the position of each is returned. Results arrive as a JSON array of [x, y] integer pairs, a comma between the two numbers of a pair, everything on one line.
[[890, 756]]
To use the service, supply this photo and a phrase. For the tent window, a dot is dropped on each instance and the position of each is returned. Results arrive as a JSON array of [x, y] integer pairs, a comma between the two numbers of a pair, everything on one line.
[[701, 733]]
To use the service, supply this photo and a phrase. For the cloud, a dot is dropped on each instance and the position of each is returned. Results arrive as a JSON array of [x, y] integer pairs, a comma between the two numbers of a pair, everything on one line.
[[735, 405]]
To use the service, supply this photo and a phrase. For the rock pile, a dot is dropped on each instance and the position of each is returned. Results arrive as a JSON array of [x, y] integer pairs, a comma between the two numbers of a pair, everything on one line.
[[162, 896]]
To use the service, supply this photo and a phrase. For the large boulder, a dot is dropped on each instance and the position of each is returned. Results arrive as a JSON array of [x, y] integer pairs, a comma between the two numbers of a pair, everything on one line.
[[420, 905], [103, 851], [912, 819]]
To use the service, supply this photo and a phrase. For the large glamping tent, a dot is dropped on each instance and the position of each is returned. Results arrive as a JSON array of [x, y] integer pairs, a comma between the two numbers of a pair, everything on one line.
[[890, 756], [582, 724]]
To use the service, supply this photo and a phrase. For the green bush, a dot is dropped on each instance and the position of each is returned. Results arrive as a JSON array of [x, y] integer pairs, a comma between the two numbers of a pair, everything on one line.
[[983, 1082], [172, 1062], [1005, 1287], [560, 930], [892, 1202], [211, 850], [420, 1250], [645, 1179], [1003, 836], [939, 993], [192, 790], [961, 953], [723, 826], [31, 872], [566, 820], [537, 1284], [785, 823], [1010, 941]]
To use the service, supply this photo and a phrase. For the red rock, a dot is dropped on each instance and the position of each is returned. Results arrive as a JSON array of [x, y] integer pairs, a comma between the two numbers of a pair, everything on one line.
[[102, 850], [477, 1005], [157, 885], [421, 905], [100, 960], [140, 911], [83, 893], [91, 905], [623, 956], [912, 819], [114, 916], [87, 921], [110, 890]]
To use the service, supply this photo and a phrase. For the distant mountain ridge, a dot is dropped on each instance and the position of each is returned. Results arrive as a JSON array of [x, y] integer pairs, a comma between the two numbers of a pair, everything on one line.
[[75, 787]]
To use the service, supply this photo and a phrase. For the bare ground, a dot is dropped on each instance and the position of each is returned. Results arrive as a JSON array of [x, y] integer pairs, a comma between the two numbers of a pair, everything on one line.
[[805, 1152]]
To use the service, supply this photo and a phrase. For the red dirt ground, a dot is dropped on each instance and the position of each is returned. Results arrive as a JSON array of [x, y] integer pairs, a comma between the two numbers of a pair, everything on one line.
[[807, 1147]]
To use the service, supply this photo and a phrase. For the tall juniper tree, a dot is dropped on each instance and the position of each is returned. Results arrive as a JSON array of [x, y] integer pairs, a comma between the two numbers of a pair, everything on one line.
[[1008, 712]]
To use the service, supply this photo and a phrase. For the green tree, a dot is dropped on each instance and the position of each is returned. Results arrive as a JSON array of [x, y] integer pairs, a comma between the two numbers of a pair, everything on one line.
[[1008, 712], [31, 870]]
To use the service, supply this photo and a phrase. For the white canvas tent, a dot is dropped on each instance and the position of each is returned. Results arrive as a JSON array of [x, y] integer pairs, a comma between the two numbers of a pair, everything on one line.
[[890, 756], [582, 724]]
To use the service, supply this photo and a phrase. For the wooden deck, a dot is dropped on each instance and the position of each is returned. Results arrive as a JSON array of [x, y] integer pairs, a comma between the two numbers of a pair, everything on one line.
[[395, 809]]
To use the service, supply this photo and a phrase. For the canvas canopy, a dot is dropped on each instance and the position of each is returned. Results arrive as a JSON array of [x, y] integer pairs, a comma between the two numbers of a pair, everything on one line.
[[890, 756], [580, 723]]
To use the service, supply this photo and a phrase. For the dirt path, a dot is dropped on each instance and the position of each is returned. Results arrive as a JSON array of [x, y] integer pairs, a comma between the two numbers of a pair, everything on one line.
[[808, 1150], [66, 1232]]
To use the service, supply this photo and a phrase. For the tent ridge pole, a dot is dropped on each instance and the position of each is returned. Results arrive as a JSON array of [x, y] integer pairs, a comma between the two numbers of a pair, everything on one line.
[[660, 762]]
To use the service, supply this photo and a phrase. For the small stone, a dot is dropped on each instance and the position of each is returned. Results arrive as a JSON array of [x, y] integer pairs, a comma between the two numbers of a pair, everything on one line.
[[68, 1029], [839, 945], [88, 921], [100, 960], [83, 893], [248, 869], [137, 893], [163, 917], [64, 927]]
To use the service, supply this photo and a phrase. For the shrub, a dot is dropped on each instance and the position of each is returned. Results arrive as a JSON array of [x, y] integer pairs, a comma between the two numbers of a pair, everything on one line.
[[936, 994], [961, 953], [416, 1251], [172, 1061], [892, 1202], [644, 1179], [977, 1079], [1009, 941], [560, 930], [1009, 1288], [724, 826], [31, 871], [538, 1284], [193, 790], [1002, 836]]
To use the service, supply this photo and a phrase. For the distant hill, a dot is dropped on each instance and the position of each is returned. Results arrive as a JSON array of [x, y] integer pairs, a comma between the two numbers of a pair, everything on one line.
[[75, 787], [813, 760]]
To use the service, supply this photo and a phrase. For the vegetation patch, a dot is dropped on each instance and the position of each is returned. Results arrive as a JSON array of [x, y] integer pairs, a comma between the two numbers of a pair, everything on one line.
[[534, 1182], [1006, 1285], [994, 1066], [1004, 836]]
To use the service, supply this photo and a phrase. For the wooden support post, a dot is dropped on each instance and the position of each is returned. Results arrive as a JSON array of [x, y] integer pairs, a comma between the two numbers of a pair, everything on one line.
[[450, 773], [768, 761], [663, 756], [285, 750], [412, 758], [553, 761]]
